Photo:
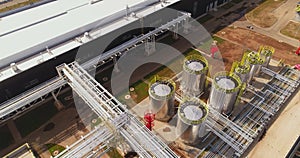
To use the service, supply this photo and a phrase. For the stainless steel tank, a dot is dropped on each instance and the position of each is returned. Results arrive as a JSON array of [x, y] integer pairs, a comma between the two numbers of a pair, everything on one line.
[[266, 53], [224, 91], [194, 72], [243, 72], [255, 62], [161, 96], [191, 121]]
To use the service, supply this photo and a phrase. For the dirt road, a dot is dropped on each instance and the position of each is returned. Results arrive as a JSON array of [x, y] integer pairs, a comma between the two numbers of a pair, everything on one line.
[[284, 13], [11, 3], [252, 40]]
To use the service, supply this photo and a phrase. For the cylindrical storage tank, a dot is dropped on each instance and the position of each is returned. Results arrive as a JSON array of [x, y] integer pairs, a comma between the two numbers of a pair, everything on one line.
[[255, 62], [191, 121], [266, 53], [194, 72], [255, 68], [161, 96], [225, 88], [243, 72]]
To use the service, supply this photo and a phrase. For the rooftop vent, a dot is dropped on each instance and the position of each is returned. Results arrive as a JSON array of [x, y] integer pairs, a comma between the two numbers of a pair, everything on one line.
[[14, 67]]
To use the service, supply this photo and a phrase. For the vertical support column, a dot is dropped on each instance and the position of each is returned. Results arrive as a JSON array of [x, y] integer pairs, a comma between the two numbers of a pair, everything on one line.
[[211, 5], [186, 26], [142, 24], [14, 131], [116, 67], [150, 45], [216, 5], [207, 8], [57, 102], [127, 11], [175, 32]]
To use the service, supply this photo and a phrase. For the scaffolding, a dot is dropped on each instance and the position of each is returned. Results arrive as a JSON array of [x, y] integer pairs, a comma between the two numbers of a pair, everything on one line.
[[85, 147], [293, 83], [115, 115]]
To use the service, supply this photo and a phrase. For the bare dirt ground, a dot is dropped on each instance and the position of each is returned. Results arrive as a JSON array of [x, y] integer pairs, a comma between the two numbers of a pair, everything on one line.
[[13, 4], [264, 15], [239, 38], [292, 29], [230, 52]]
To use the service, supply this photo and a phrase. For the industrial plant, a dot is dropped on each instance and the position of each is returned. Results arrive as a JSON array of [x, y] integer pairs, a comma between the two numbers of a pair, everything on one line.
[[178, 108]]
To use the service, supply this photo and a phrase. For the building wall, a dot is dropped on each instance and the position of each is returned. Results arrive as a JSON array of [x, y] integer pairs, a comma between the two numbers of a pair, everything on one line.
[[198, 7], [45, 71]]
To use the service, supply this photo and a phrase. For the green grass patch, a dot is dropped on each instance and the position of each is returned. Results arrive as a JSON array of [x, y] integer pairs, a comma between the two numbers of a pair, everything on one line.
[[169, 70], [227, 6], [140, 91], [139, 94], [55, 149], [218, 39], [205, 18], [237, 1], [113, 153], [164, 72], [35, 118], [6, 137], [206, 45], [263, 14], [189, 52], [18, 5], [95, 121], [292, 29]]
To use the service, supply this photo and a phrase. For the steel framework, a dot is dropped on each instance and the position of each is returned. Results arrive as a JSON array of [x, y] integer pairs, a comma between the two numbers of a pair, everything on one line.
[[115, 115], [232, 137], [257, 113]]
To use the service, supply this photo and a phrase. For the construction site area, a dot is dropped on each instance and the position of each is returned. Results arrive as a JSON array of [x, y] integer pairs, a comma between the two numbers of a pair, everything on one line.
[[233, 93]]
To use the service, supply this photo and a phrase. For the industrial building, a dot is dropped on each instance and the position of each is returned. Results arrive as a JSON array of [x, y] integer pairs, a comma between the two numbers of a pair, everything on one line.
[[46, 61], [60, 45]]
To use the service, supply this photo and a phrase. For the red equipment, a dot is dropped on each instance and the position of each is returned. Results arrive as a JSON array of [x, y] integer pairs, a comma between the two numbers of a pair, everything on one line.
[[297, 51], [213, 50], [297, 66], [149, 119]]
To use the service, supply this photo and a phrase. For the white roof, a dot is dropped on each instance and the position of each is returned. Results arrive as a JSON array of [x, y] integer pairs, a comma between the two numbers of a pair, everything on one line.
[[29, 32], [32, 30]]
